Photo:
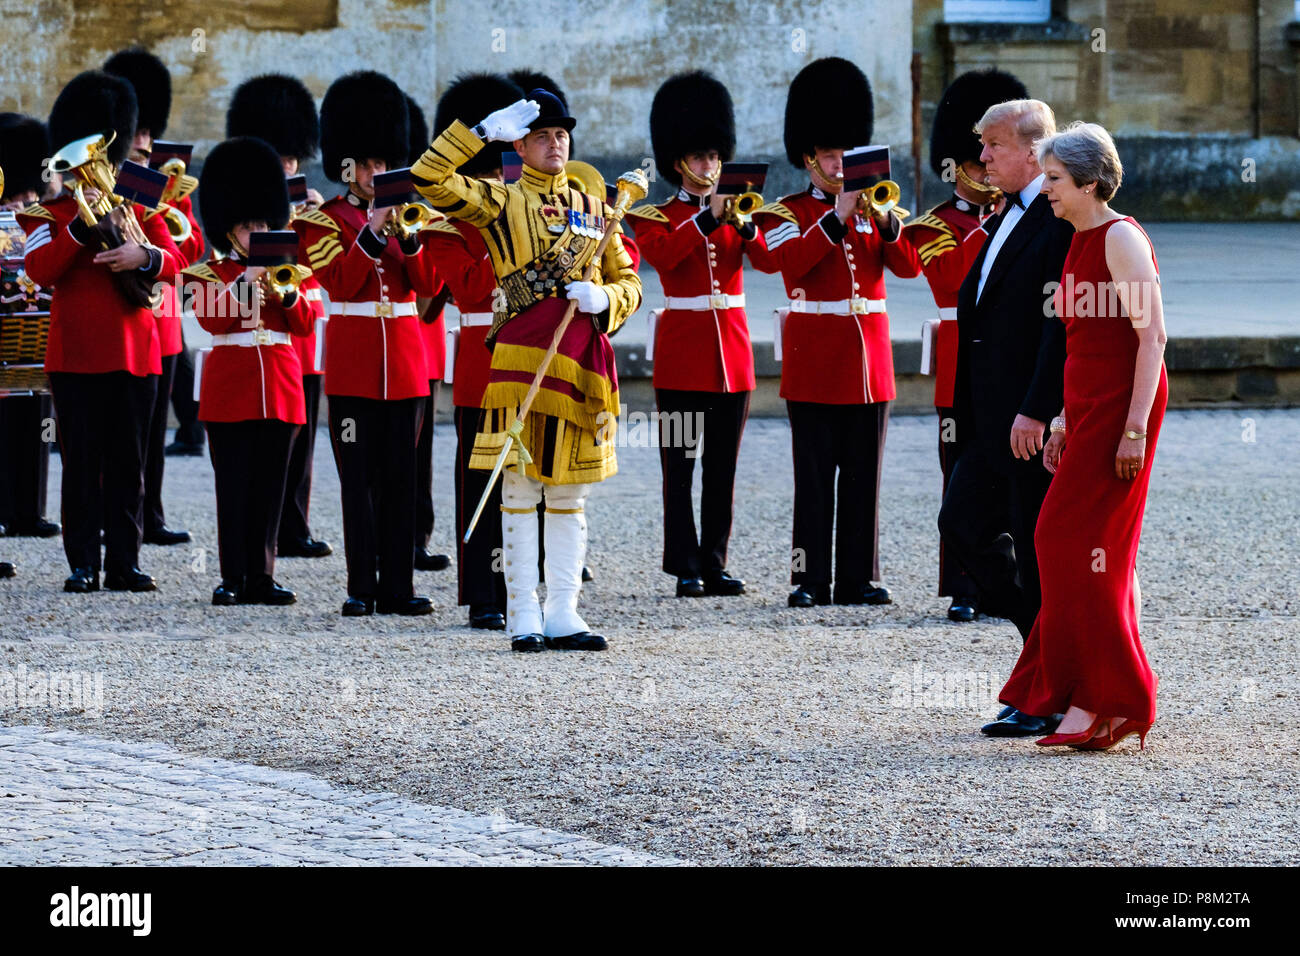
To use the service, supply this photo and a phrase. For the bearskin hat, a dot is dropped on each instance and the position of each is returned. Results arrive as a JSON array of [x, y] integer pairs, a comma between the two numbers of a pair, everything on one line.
[[241, 181], [152, 82], [830, 106], [691, 113], [278, 109], [419, 130], [471, 97], [363, 116], [95, 102], [965, 100], [24, 145]]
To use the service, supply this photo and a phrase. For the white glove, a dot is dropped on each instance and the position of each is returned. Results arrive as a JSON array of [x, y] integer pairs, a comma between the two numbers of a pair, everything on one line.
[[590, 297], [508, 123]]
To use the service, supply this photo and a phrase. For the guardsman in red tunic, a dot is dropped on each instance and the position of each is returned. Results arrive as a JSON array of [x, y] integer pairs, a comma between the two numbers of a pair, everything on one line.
[[433, 333], [103, 350], [375, 373], [948, 239], [462, 260], [251, 398], [24, 452], [703, 360], [152, 83], [279, 109], [837, 375]]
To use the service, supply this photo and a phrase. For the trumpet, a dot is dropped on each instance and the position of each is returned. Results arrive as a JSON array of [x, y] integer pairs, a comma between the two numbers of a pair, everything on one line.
[[740, 209], [178, 224], [880, 198], [283, 280], [405, 221]]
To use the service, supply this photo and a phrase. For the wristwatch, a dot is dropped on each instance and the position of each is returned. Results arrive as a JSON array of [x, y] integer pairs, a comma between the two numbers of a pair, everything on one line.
[[480, 131], [1058, 425]]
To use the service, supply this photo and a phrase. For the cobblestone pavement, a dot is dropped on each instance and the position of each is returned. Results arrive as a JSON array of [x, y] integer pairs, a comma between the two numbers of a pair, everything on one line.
[[74, 799]]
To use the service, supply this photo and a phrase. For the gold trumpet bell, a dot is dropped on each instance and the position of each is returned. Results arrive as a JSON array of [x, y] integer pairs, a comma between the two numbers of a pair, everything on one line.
[[881, 199], [406, 220], [284, 280], [740, 209], [585, 178]]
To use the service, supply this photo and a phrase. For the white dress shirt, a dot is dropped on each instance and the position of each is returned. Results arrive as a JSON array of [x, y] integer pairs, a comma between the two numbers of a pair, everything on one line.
[[1013, 216]]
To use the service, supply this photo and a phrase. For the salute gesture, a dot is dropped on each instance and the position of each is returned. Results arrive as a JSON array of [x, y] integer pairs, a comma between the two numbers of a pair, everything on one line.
[[508, 123]]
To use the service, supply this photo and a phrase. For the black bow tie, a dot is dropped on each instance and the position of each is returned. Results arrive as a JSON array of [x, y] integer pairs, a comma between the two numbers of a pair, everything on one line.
[[1013, 199]]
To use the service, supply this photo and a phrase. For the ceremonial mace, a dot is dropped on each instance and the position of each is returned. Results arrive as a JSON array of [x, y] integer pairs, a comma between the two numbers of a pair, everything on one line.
[[632, 186]]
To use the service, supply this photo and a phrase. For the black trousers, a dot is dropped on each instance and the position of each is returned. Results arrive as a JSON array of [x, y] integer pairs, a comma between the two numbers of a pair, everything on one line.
[[188, 429], [953, 580], [25, 472], [156, 441], [294, 524], [850, 438], [102, 421], [374, 451], [1004, 567], [478, 564], [722, 416], [250, 460], [424, 469]]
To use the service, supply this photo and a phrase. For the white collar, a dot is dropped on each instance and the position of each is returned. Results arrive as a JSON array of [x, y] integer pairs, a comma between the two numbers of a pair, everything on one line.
[[1030, 192], [687, 196]]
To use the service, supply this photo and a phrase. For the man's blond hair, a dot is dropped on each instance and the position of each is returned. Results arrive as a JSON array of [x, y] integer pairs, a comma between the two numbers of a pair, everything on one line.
[[1032, 119]]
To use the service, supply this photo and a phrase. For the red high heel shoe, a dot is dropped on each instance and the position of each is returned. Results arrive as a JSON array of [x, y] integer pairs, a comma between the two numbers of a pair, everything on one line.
[[1122, 732], [1071, 740]]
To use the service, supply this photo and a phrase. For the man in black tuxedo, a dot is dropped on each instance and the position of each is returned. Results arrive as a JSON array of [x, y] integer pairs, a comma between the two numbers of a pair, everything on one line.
[[1010, 365]]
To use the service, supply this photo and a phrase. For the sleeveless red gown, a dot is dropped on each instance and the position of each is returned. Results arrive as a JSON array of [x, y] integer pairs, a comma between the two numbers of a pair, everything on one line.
[[1084, 647]]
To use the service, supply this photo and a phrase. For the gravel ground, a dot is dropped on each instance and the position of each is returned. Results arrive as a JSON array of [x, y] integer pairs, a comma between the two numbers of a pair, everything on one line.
[[734, 730]]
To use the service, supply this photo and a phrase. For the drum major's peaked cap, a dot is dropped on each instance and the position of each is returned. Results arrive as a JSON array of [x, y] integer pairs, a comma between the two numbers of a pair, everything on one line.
[[692, 112], [469, 98], [363, 116], [95, 102], [152, 83], [241, 181], [279, 109], [529, 80], [965, 100], [24, 145], [829, 105]]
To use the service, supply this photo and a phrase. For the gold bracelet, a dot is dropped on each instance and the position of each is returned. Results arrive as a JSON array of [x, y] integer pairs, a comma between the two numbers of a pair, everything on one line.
[[1134, 436]]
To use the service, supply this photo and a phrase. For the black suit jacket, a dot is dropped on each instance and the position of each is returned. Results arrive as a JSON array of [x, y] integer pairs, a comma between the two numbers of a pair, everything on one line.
[[1011, 346]]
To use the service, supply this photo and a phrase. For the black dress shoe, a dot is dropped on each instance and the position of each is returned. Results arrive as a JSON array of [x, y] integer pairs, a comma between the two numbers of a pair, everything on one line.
[[863, 594], [41, 529], [132, 579], [722, 584], [486, 617], [582, 641], [226, 594], [1004, 713], [166, 536], [186, 448], [426, 560], [358, 607], [7, 570], [408, 607], [307, 547], [1016, 724], [963, 609], [587, 576], [82, 581], [805, 596], [528, 643], [266, 591], [690, 587]]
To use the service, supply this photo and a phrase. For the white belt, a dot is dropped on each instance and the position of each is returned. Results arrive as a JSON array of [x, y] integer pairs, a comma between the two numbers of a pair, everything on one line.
[[948, 313], [704, 303], [854, 306], [381, 310], [470, 319], [256, 337]]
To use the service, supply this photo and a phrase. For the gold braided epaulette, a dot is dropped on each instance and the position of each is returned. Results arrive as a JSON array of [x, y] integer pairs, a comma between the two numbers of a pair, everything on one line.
[[648, 211], [202, 271], [317, 218], [36, 211]]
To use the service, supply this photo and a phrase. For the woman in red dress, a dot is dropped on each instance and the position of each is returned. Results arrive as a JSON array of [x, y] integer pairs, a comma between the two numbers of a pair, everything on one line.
[[1083, 657]]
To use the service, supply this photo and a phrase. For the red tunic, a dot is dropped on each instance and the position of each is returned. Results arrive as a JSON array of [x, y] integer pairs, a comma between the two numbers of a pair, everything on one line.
[[246, 382], [462, 261], [368, 356], [1084, 649], [93, 328], [707, 349], [169, 313], [833, 358], [947, 240]]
